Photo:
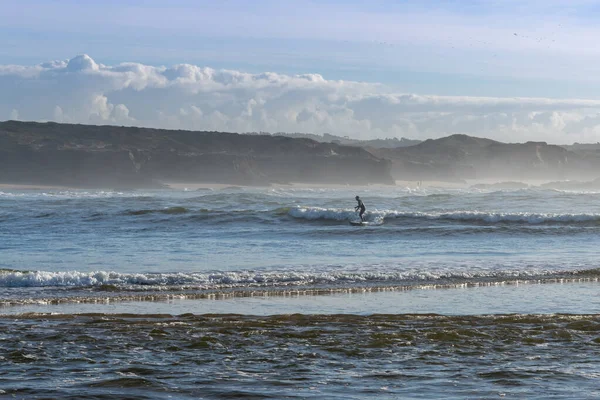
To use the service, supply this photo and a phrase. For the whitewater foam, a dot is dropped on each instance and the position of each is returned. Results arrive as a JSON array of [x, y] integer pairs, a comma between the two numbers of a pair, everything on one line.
[[215, 280], [339, 214]]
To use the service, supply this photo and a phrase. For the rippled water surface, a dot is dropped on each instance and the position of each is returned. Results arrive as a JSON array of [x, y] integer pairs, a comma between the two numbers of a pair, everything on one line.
[[301, 356], [486, 294]]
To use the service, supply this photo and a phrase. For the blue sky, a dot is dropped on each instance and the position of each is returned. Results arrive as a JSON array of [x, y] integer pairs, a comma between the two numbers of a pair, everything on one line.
[[496, 48], [444, 47]]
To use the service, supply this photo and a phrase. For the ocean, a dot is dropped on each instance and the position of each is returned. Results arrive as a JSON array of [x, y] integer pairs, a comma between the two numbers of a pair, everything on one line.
[[269, 292]]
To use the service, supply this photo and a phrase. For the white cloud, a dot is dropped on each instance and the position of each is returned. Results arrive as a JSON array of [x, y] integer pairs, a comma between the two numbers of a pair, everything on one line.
[[199, 98]]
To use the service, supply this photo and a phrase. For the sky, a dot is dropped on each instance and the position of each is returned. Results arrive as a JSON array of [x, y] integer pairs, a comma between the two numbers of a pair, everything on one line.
[[508, 70]]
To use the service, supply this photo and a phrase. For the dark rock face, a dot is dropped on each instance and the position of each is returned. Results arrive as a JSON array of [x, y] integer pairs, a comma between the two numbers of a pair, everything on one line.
[[110, 156], [100, 156]]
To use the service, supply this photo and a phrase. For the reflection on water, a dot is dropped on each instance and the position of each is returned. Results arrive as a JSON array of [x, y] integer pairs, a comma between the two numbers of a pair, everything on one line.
[[570, 297]]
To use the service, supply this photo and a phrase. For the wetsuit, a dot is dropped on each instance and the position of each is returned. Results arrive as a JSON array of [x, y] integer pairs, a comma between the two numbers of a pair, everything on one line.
[[362, 208]]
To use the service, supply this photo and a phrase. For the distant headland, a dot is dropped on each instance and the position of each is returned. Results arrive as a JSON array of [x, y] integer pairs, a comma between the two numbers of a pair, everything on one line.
[[132, 157]]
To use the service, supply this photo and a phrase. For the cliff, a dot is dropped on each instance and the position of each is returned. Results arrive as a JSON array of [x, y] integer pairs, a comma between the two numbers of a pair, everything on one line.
[[346, 141], [459, 157], [101, 156]]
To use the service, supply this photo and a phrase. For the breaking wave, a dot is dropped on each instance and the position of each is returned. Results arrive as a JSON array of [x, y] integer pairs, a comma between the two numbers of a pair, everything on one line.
[[338, 214], [217, 280]]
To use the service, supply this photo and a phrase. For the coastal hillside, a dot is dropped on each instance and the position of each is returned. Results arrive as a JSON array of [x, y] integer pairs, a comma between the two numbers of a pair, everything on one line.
[[96, 156], [460, 157], [112, 156], [389, 143]]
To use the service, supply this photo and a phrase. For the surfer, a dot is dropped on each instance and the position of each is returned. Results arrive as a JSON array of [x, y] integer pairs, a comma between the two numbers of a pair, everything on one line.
[[361, 207]]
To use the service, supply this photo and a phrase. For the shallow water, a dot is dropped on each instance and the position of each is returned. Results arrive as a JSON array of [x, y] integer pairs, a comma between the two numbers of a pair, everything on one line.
[[301, 356], [486, 294], [564, 298]]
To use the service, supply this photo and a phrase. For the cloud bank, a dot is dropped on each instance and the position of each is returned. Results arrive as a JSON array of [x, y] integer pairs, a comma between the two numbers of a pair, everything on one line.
[[185, 96]]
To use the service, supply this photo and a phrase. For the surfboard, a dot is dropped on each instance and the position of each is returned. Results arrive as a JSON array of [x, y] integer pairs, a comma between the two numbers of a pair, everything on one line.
[[358, 223]]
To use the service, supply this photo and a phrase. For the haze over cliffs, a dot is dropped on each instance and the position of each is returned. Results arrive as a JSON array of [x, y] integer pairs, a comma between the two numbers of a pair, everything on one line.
[[457, 158], [111, 156], [460, 157]]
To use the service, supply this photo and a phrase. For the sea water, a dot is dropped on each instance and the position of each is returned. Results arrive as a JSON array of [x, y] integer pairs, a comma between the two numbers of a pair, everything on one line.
[[271, 293]]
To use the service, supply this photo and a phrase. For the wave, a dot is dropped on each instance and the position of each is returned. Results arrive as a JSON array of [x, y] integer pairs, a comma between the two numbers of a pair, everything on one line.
[[268, 214], [103, 287], [167, 210], [341, 215], [336, 214], [217, 280], [36, 194]]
